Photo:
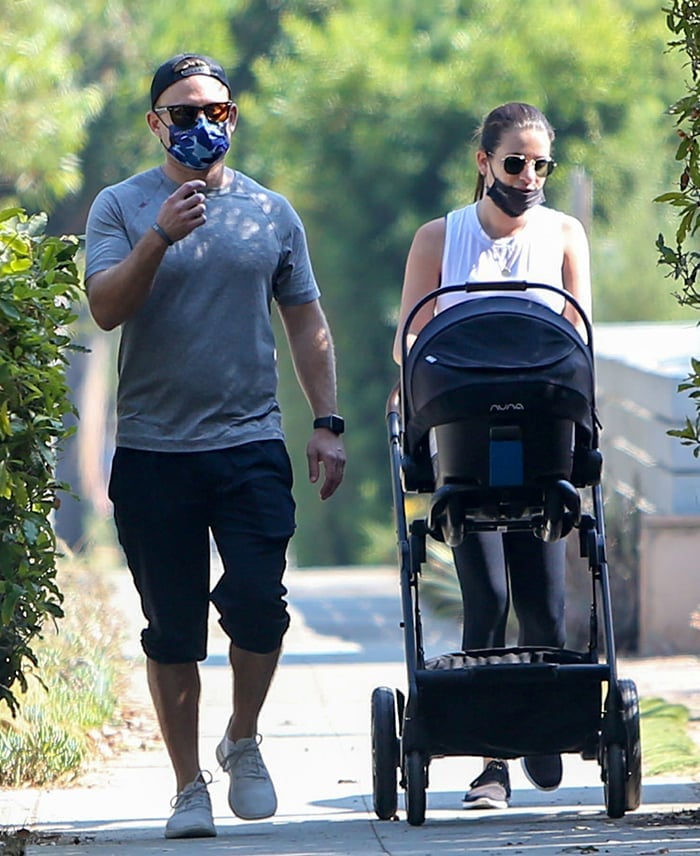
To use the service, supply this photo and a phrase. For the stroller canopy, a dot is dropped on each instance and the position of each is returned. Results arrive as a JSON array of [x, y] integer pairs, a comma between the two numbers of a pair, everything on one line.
[[497, 358]]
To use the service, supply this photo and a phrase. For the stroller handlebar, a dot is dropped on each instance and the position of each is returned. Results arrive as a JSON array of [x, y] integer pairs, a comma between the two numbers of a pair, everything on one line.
[[393, 402]]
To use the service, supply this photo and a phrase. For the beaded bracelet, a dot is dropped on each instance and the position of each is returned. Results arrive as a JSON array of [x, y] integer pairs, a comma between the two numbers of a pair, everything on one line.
[[159, 230]]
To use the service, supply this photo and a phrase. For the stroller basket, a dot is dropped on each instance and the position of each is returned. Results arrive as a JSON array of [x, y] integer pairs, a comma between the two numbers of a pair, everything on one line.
[[553, 702]]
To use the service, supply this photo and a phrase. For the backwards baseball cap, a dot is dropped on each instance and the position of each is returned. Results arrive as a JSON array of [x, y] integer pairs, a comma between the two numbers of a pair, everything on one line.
[[182, 66]]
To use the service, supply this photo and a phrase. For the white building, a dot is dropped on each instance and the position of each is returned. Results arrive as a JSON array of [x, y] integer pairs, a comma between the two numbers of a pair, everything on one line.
[[638, 368]]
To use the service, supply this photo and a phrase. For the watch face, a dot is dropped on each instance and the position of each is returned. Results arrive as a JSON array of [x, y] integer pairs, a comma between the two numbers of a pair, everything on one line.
[[333, 423]]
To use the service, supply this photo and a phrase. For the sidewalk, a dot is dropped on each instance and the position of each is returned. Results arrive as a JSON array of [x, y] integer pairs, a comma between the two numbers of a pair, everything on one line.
[[342, 644]]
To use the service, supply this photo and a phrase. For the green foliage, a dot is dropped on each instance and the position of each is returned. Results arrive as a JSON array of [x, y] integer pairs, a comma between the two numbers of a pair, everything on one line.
[[38, 285], [689, 434], [46, 108], [683, 21]]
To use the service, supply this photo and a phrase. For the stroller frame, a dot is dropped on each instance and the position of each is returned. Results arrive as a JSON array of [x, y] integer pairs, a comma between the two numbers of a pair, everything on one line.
[[509, 702]]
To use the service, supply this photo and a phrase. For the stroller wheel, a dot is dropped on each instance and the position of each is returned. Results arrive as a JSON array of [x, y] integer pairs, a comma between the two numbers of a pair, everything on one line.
[[385, 753], [416, 781], [614, 775], [633, 754]]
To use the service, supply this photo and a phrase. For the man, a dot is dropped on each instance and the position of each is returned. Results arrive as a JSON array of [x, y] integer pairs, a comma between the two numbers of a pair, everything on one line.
[[187, 258]]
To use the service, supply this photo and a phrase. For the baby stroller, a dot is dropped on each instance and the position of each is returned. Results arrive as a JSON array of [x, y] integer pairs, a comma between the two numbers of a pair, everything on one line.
[[500, 389]]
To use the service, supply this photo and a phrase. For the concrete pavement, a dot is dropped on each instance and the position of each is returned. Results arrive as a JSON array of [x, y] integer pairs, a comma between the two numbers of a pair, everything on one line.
[[345, 641]]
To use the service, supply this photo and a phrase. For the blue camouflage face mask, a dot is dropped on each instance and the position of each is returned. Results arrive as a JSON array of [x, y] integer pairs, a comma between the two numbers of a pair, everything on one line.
[[200, 146]]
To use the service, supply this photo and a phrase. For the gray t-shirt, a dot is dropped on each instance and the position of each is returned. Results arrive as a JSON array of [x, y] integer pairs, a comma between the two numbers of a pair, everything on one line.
[[197, 362]]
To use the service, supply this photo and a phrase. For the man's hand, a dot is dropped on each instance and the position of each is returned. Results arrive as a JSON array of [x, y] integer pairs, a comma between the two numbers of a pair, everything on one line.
[[326, 448], [184, 210]]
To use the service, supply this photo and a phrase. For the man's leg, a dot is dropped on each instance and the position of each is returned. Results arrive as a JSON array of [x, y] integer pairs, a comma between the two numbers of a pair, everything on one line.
[[252, 526], [251, 792], [162, 527], [252, 676], [175, 690]]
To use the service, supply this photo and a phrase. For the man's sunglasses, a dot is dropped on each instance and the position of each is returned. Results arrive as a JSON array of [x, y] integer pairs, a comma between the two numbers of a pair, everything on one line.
[[185, 115], [515, 164]]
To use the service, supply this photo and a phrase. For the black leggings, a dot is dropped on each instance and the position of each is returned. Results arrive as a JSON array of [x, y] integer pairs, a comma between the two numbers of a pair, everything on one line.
[[486, 562]]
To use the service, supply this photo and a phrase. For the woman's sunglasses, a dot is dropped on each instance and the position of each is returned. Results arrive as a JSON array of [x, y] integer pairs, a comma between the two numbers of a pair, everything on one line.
[[515, 164], [185, 115]]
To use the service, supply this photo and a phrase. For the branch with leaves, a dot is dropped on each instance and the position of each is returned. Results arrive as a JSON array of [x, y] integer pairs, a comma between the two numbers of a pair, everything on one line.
[[683, 20]]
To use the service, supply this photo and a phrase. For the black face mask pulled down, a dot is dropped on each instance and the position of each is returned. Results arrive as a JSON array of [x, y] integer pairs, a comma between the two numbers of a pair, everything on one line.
[[513, 201]]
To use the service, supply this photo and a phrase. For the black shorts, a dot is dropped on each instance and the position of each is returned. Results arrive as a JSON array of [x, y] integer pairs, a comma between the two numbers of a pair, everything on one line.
[[165, 506]]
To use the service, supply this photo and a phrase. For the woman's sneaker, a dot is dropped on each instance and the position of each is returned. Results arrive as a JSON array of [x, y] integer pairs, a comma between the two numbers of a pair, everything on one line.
[[543, 771], [491, 789], [191, 817], [251, 793]]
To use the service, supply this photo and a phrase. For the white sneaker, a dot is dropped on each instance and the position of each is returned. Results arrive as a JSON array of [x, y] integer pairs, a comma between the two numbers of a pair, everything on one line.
[[192, 816], [251, 793]]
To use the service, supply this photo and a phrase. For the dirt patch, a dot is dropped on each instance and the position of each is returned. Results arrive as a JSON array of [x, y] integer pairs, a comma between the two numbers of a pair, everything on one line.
[[685, 817], [15, 842]]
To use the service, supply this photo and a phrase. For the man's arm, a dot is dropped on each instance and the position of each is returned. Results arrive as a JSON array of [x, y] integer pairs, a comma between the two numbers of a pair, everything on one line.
[[311, 346], [114, 294]]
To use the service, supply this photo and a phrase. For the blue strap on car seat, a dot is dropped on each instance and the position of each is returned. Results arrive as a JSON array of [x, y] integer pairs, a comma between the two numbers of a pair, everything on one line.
[[505, 456]]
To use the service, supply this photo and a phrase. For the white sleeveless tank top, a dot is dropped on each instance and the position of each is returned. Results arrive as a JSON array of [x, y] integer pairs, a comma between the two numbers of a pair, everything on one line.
[[535, 254]]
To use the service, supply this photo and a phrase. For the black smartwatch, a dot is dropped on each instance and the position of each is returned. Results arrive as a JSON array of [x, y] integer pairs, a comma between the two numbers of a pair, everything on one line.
[[334, 423]]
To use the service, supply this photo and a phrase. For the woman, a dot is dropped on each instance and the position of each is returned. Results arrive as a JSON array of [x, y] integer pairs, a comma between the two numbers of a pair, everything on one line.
[[505, 234]]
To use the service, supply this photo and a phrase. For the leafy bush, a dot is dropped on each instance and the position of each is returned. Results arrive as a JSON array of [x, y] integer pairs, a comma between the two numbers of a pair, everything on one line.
[[38, 287]]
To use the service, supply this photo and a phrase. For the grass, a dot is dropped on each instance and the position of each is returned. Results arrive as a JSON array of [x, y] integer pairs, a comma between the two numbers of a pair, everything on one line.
[[69, 712], [667, 747]]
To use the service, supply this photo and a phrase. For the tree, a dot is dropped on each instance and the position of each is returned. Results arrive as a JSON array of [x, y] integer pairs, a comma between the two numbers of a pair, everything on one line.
[[71, 122], [363, 114], [683, 20], [46, 108], [368, 126]]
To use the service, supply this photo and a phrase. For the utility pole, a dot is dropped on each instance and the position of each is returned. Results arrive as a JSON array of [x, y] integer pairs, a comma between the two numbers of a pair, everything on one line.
[[582, 198]]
